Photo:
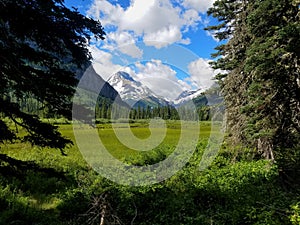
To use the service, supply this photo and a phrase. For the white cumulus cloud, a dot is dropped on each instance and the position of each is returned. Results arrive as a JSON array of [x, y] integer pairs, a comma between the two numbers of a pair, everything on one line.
[[163, 37], [160, 78], [149, 16], [102, 63], [125, 43], [152, 21], [109, 14], [201, 73], [199, 5]]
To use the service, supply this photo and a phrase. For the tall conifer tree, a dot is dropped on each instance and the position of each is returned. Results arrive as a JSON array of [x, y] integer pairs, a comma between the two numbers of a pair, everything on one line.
[[261, 86]]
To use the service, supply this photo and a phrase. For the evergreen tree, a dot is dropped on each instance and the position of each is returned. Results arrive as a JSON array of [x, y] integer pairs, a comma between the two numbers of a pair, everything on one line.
[[43, 44], [261, 58]]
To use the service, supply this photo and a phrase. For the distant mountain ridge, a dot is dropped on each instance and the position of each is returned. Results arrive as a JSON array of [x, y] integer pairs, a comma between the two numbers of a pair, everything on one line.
[[124, 89], [186, 96], [134, 92]]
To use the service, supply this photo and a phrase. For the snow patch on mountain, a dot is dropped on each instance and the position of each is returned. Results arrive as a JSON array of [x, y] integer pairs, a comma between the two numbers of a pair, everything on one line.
[[186, 96], [132, 91]]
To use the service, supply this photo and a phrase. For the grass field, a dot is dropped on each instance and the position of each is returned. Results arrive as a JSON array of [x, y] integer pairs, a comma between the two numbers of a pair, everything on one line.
[[48, 173], [169, 138], [53, 158], [41, 186]]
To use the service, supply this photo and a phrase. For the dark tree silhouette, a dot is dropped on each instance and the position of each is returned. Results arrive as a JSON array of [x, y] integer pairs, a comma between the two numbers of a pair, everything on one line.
[[43, 44]]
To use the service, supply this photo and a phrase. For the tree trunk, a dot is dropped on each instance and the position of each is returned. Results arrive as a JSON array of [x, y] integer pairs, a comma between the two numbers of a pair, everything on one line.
[[265, 147], [103, 215]]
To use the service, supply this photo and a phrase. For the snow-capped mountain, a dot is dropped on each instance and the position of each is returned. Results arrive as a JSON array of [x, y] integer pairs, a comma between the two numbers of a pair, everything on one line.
[[134, 92], [186, 96]]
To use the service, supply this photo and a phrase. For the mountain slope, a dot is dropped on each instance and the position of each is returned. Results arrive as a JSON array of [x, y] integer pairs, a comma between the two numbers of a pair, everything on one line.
[[186, 96], [134, 92]]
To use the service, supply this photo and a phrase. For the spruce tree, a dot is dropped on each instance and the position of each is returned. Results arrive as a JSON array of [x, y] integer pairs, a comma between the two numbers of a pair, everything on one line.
[[261, 86]]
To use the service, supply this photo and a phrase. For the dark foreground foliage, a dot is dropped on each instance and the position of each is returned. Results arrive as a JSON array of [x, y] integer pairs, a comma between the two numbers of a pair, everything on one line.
[[63, 190]]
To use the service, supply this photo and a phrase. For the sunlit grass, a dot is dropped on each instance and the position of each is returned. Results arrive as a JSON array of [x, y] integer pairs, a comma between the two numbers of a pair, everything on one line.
[[42, 185], [170, 137], [30, 193], [52, 158]]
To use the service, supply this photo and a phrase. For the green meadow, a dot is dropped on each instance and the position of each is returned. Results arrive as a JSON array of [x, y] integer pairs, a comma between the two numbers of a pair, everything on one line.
[[169, 138], [42, 186]]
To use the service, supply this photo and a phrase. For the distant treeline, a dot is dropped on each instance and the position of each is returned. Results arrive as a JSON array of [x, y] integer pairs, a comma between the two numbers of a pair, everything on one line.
[[106, 109]]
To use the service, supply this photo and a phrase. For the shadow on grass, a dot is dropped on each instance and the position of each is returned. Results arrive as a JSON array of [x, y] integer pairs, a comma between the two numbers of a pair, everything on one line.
[[32, 177], [245, 193], [30, 193], [239, 193]]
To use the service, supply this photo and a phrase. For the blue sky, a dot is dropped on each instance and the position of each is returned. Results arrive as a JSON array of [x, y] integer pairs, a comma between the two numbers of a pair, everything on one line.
[[161, 43]]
